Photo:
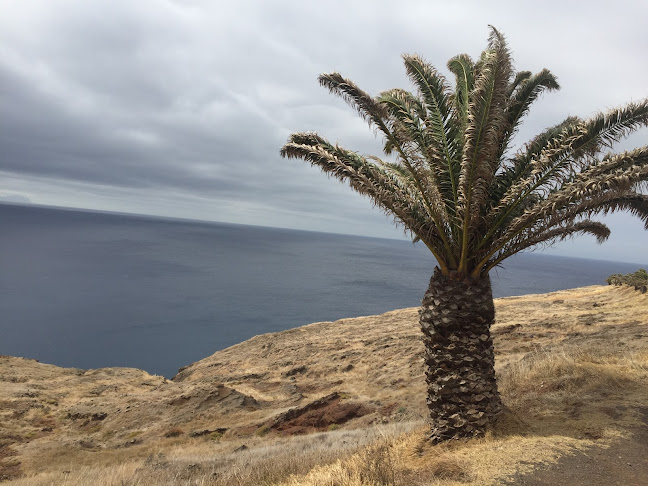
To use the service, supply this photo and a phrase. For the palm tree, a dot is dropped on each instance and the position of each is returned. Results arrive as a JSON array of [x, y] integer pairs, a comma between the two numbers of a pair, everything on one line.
[[455, 182]]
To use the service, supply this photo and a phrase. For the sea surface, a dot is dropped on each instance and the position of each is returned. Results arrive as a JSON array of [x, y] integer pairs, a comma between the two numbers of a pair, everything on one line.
[[89, 289]]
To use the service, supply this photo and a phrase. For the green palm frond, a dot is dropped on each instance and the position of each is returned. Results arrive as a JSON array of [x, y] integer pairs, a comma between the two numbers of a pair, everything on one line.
[[441, 132], [519, 167], [463, 67], [433, 90], [527, 90], [409, 123], [487, 121]]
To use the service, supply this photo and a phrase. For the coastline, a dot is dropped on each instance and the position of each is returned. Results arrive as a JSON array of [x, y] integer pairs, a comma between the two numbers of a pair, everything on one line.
[[158, 295], [363, 372]]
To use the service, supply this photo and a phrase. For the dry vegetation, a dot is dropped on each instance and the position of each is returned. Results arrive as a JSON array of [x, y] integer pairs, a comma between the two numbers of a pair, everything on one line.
[[638, 280], [338, 404]]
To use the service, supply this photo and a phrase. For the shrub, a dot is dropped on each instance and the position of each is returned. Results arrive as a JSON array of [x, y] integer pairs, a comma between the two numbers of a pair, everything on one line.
[[637, 279]]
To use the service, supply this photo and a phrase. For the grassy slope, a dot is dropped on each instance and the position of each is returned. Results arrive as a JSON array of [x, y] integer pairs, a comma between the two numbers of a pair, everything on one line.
[[573, 369]]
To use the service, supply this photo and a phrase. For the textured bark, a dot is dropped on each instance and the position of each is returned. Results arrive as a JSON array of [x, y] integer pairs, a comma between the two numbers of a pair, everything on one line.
[[455, 318]]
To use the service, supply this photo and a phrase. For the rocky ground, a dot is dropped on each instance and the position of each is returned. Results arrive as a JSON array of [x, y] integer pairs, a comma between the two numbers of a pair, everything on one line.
[[349, 374]]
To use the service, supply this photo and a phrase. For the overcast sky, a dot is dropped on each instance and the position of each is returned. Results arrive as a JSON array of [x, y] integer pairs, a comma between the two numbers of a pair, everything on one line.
[[179, 107]]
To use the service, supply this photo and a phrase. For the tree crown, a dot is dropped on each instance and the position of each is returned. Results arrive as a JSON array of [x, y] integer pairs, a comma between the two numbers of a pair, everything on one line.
[[454, 182]]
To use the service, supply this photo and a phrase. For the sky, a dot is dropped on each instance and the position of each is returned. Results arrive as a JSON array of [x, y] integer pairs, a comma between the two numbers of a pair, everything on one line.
[[179, 107]]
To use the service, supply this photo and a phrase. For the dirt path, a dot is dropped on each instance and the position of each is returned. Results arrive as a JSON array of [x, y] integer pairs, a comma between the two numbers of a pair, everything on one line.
[[624, 463]]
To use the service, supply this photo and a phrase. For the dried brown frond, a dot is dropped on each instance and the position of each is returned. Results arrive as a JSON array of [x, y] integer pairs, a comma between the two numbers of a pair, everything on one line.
[[551, 235]]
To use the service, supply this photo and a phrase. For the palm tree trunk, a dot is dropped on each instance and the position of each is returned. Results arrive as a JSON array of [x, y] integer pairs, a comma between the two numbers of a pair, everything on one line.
[[455, 318]]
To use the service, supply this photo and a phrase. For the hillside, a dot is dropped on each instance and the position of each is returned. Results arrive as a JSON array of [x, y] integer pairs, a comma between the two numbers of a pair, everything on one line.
[[339, 401]]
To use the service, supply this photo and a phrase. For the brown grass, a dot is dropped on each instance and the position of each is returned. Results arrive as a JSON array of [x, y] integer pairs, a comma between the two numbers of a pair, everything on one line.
[[572, 369], [265, 463], [558, 403]]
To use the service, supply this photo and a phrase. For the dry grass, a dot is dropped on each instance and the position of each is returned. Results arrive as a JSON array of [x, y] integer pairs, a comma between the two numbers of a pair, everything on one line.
[[268, 462], [558, 403], [572, 366]]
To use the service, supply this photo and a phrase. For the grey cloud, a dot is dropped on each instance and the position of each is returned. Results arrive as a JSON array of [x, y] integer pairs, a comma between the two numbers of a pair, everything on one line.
[[193, 99], [15, 199]]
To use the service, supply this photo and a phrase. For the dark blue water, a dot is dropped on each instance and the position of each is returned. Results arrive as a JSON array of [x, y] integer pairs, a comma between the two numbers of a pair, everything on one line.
[[89, 290]]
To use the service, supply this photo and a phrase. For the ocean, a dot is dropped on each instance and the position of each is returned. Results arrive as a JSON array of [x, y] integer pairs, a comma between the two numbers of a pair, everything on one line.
[[89, 289]]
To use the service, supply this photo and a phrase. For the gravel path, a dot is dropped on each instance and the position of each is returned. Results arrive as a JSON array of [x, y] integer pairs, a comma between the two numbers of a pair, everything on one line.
[[625, 463]]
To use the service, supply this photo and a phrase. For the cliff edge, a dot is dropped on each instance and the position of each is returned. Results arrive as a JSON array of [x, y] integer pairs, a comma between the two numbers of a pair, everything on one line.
[[298, 404]]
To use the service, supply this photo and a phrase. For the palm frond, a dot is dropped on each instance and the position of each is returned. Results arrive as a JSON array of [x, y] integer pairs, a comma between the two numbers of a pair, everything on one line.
[[441, 133], [376, 115], [368, 109], [620, 173], [486, 122], [526, 92], [365, 177], [636, 204], [519, 78], [409, 117], [462, 66], [407, 122], [579, 195], [581, 142], [587, 197], [571, 151], [612, 163], [519, 167], [451, 179], [552, 235], [395, 195]]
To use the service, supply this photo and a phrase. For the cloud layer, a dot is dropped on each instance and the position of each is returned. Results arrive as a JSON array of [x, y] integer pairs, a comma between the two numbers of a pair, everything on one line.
[[180, 107]]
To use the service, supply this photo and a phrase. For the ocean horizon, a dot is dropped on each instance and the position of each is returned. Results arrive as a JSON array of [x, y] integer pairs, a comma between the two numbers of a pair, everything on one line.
[[91, 289]]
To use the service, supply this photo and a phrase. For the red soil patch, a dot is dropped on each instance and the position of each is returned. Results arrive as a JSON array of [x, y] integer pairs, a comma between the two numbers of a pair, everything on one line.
[[317, 416]]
